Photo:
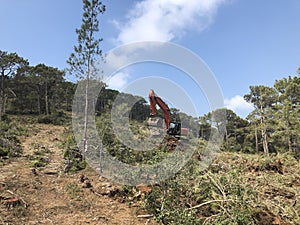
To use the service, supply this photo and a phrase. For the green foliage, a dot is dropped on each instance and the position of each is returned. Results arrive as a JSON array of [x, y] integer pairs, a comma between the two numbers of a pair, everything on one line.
[[121, 151], [72, 154], [275, 120], [87, 51], [235, 189], [10, 63], [19, 211], [286, 136], [39, 161], [56, 118], [73, 191], [39, 158], [10, 144], [38, 89], [83, 60], [272, 127]]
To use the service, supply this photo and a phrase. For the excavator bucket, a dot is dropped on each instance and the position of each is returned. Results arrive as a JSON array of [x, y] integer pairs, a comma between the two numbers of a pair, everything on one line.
[[172, 128], [155, 122], [155, 125]]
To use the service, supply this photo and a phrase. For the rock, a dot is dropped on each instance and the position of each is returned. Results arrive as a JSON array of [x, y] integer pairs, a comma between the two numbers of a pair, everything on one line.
[[34, 172], [87, 183], [81, 178]]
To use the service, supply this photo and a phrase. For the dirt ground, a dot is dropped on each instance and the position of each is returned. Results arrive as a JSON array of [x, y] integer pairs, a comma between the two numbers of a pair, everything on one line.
[[44, 194]]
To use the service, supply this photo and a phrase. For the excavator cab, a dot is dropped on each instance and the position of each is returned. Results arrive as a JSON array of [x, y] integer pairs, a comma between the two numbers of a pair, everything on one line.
[[158, 122], [174, 129]]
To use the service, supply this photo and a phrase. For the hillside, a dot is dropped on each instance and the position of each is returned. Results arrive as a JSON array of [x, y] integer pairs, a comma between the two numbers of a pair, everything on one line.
[[237, 188], [119, 163], [35, 190]]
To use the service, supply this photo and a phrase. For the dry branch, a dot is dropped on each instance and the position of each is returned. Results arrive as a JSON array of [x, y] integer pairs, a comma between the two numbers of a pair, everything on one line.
[[145, 216], [22, 200], [208, 202]]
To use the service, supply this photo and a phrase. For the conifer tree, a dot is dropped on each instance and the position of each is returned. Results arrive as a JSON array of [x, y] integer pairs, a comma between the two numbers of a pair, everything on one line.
[[82, 61]]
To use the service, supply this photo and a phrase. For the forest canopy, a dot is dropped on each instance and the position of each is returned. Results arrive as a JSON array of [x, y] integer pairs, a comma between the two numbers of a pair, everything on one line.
[[273, 125]]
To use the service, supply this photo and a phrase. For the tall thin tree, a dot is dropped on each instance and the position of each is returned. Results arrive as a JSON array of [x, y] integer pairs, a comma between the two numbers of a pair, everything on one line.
[[82, 61], [263, 99], [9, 64]]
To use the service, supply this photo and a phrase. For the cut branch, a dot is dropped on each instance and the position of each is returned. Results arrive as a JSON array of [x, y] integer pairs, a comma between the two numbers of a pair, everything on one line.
[[209, 202]]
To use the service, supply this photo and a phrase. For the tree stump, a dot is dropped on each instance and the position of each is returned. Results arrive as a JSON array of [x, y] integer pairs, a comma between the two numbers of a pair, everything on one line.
[[12, 202]]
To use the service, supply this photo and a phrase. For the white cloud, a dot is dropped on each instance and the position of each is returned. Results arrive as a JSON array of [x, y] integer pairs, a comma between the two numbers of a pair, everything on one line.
[[164, 20], [239, 105], [117, 81]]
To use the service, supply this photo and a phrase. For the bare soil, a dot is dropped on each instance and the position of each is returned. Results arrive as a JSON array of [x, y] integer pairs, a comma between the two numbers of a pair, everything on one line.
[[31, 193]]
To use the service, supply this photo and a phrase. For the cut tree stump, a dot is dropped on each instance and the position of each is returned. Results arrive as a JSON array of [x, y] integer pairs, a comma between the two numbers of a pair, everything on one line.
[[12, 202]]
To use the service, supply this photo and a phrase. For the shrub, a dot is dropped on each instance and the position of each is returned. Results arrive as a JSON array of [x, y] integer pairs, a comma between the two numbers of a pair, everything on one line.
[[10, 144], [56, 118], [72, 153]]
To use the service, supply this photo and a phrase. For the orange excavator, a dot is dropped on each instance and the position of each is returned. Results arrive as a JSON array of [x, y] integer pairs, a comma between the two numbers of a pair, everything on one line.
[[171, 126]]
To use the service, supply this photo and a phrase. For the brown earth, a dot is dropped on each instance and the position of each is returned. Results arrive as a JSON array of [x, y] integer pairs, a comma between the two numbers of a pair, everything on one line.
[[43, 194]]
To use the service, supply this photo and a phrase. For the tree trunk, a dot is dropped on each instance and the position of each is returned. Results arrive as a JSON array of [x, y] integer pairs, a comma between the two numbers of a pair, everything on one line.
[[290, 144], [85, 148], [66, 102], [4, 105], [46, 99], [2, 96], [38, 100], [85, 144], [289, 135], [265, 141], [39, 104], [264, 132], [256, 139]]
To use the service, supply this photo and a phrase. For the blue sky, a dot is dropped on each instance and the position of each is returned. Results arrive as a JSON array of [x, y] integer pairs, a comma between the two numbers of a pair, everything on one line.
[[243, 42]]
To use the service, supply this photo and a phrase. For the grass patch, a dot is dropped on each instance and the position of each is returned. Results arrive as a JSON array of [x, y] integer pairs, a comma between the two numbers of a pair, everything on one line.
[[10, 132], [56, 118], [39, 161], [73, 191], [72, 154]]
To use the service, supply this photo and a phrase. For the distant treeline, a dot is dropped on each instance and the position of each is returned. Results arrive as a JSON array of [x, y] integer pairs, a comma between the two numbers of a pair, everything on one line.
[[273, 126], [43, 90]]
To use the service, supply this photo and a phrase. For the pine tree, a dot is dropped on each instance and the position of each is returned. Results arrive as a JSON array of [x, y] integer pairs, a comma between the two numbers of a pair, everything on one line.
[[287, 115], [9, 64], [264, 99], [82, 61]]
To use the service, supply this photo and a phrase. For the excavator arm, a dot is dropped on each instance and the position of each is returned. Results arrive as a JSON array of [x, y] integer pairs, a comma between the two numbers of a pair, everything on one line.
[[155, 100], [172, 127]]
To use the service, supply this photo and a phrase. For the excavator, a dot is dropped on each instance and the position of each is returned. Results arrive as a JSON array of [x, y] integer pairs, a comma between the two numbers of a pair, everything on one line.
[[171, 126]]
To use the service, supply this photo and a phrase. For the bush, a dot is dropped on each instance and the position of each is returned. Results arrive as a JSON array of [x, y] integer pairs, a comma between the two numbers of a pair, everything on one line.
[[72, 153], [225, 194], [40, 162], [203, 197], [10, 144], [56, 118]]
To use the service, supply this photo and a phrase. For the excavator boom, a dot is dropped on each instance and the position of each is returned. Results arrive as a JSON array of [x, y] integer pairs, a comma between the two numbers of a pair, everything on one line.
[[155, 100], [172, 127]]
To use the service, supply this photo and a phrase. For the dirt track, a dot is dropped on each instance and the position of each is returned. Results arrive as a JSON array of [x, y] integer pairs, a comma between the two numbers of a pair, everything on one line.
[[48, 196]]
